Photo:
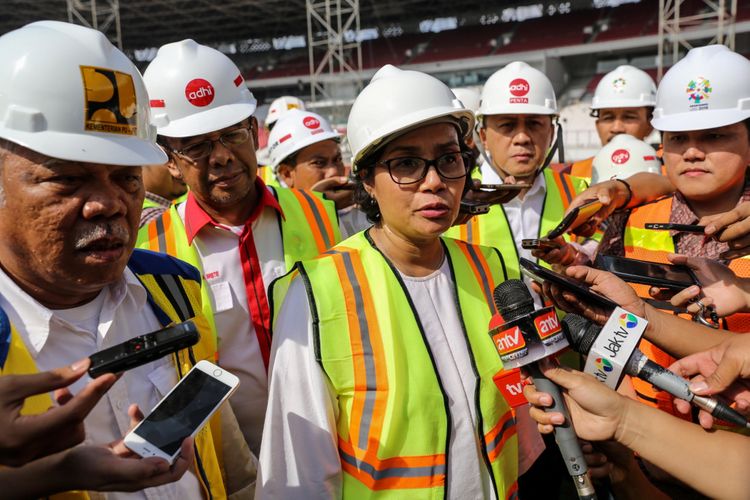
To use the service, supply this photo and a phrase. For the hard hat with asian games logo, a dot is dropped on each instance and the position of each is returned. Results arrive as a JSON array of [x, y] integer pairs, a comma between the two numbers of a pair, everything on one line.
[[622, 157], [396, 101], [624, 87], [68, 93], [195, 90], [708, 88], [295, 131], [517, 89], [282, 105]]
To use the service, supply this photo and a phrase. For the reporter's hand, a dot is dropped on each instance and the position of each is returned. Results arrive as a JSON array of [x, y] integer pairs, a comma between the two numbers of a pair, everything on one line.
[[27, 437], [337, 189], [601, 282], [563, 255], [722, 370], [721, 287], [732, 227], [597, 412], [611, 194]]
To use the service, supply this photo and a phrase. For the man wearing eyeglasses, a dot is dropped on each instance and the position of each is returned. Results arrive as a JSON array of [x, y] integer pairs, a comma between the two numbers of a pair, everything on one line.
[[240, 233]]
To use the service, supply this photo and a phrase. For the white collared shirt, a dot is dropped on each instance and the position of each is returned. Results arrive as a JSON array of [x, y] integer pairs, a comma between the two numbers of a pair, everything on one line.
[[524, 215], [239, 349], [53, 341]]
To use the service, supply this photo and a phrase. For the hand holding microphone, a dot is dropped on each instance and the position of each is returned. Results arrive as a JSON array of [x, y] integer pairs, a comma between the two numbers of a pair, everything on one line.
[[526, 337], [611, 353]]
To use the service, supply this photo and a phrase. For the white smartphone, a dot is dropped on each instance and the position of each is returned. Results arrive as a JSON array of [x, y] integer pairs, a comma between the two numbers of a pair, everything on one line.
[[182, 412]]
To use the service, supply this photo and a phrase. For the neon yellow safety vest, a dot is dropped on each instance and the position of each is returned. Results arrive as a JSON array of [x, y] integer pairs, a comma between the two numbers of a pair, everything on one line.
[[394, 424], [309, 227], [174, 296], [492, 229], [269, 177]]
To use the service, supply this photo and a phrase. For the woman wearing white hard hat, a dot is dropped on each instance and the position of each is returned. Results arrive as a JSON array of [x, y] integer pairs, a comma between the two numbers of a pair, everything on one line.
[[382, 381], [623, 102], [702, 109]]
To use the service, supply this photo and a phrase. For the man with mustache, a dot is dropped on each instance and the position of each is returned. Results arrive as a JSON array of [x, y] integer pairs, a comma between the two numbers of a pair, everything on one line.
[[71, 191], [240, 233]]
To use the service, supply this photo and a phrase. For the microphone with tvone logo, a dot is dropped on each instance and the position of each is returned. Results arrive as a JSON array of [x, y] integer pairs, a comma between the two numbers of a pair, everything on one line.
[[525, 337], [611, 353]]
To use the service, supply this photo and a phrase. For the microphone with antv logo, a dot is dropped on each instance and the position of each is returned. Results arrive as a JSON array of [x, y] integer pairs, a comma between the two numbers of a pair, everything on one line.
[[514, 303], [582, 334]]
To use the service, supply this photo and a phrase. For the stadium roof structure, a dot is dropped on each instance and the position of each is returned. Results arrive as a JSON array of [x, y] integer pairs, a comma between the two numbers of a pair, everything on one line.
[[152, 23]]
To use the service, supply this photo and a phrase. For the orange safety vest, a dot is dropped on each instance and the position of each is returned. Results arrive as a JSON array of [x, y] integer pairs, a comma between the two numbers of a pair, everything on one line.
[[645, 244]]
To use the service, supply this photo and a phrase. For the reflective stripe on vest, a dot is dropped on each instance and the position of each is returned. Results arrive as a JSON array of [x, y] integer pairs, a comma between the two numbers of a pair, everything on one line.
[[646, 244], [583, 169], [173, 291], [388, 441], [492, 229]]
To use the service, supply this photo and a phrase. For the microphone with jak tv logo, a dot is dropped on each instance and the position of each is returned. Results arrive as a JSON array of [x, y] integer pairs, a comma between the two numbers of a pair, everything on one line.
[[525, 337], [612, 352]]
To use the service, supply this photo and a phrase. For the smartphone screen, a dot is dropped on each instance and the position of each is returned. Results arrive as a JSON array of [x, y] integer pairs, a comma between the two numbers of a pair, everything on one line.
[[186, 407], [647, 273]]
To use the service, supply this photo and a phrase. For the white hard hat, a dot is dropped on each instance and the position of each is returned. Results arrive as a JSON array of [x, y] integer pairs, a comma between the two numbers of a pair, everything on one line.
[[518, 89], [708, 88], [469, 98], [398, 100], [68, 93], [622, 157], [195, 90], [281, 105], [295, 131], [625, 87]]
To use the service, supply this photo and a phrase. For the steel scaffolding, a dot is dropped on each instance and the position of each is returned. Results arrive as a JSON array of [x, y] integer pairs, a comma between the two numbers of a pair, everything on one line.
[[719, 18], [102, 15], [333, 45]]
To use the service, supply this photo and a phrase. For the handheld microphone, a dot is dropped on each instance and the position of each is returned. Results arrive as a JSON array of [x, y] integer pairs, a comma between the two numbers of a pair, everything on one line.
[[525, 335], [582, 335]]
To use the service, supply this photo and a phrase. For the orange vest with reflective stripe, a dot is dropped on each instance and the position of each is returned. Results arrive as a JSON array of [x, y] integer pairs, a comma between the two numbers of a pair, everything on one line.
[[583, 169], [393, 418], [654, 246]]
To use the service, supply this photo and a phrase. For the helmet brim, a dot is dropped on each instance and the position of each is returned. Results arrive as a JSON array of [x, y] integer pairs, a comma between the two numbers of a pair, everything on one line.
[[207, 121], [699, 120], [107, 149], [309, 141]]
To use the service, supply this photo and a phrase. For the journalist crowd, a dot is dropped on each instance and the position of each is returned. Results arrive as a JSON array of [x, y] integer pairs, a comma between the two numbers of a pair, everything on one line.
[[396, 319]]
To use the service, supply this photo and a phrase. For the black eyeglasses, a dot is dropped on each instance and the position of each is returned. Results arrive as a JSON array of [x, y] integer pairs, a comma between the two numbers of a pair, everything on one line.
[[202, 149], [412, 169]]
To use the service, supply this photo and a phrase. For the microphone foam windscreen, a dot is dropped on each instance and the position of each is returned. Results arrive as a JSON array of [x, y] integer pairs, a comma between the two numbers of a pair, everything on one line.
[[513, 299], [581, 333]]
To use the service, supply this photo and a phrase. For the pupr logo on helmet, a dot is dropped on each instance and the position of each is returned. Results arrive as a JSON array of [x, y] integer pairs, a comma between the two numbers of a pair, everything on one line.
[[620, 156], [619, 84], [110, 101], [698, 91], [311, 122], [199, 92], [519, 88]]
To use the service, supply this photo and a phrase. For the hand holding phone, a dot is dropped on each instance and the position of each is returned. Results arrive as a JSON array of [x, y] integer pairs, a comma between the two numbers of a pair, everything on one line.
[[182, 412], [648, 273], [577, 217]]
